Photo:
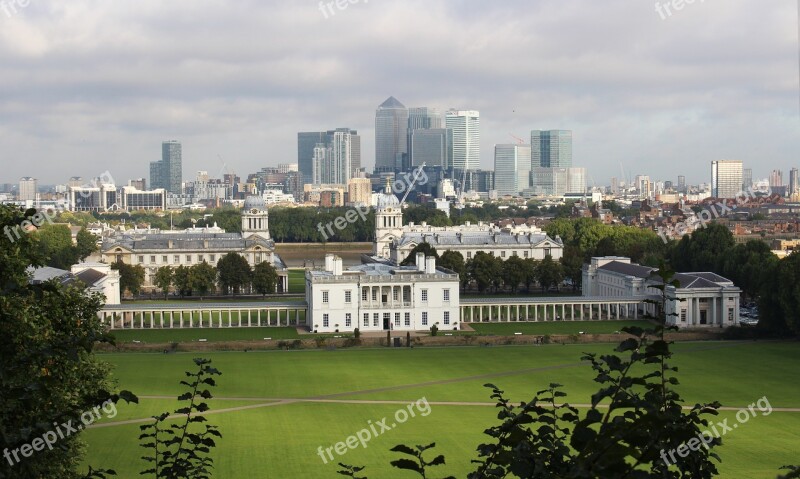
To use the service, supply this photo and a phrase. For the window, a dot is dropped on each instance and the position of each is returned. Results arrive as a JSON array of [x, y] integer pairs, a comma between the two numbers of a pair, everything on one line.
[[375, 319], [366, 319], [446, 295], [407, 320], [141, 259], [396, 294], [212, 257], [513, 253], [348, 297], [188, 258], [374, 294], [386, 318], [683, 315], [152, 259], [424, 318], [406, 294], [469, 254], [325, 321], [525, 254], [199, 258], [424, 295], [176, 259], [164, 259], [397, 320], [447, 317], [547, 252], [325, 297], [730, 314], [364, 293], [258, 258], [502, 254], [348, 320]]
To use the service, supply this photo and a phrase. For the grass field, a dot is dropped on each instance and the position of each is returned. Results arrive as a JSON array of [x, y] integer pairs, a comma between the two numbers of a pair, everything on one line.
[[297, 281], [557, 327], [281, 440], [211, 335]]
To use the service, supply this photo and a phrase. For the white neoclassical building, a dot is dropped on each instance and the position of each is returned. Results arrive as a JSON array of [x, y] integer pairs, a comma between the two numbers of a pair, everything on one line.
[[382, 297], [702, 300], [154, 248], [395, 241]]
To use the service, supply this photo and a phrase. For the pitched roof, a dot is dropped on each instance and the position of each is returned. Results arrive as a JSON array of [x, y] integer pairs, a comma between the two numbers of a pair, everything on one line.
[[477, 238], [391, 103], [635, 270]]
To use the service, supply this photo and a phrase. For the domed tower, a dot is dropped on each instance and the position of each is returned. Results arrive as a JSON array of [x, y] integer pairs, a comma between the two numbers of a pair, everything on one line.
[[255, 218], [388, 221]]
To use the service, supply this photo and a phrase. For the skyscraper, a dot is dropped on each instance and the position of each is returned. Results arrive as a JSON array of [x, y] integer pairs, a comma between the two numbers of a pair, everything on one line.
[[424, 118], [726, 178], [433, 147], [776, 179], [391, 136], [306, 142], [466, 138], [794, 182], [28, 188], [337, 158], [682, 183], [168, 173], [511, 168], [551, 149]]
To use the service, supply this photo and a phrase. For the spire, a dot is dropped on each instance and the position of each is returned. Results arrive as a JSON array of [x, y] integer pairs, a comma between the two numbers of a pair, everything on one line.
[[388, 189]]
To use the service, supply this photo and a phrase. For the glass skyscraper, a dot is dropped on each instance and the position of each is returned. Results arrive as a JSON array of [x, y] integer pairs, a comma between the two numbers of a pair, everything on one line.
[[511, 168], [466, 126], [551, 149], [168, 173], [391, 136]]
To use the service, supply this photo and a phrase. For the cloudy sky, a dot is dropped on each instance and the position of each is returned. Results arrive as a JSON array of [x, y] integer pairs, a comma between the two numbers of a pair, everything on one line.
[[89, 86]]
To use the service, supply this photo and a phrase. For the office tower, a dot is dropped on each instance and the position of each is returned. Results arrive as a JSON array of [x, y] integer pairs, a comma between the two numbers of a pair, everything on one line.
[[424, 118], [668, 186], [391, 136], [747, 179], [337, 158], [139, 184], [287, 167], [776, 179], [432, 147], [794, 182], [614, 186], [551, 149], [466, 138], [726, 178], [576, 180], [682, 183], [28, 187], [168, 173], [306, 143], [359, 192], [511, 168]]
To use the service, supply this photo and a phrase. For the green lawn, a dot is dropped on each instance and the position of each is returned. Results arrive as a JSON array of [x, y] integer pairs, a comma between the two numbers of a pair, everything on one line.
[[556, 327], [209, 334], [297, 281], [281, 441]]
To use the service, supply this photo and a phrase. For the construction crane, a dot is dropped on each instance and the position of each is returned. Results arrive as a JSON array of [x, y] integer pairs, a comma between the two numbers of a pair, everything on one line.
[[519, 140]]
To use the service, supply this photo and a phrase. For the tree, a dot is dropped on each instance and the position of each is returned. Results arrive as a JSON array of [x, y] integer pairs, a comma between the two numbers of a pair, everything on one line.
[[163, 279], [50, 373], [484, 269], [86, 244], [704, 250], [234, 273], [202, 277], [550, 273], [56, 245], [530, 268], [426, 248], [572, 263], [131, 277], [265, 278], [181, 281], [454, 261], [513, 272]]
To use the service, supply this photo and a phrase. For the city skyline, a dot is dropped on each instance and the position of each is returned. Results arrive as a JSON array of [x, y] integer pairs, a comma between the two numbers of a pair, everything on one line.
[[641, 93]]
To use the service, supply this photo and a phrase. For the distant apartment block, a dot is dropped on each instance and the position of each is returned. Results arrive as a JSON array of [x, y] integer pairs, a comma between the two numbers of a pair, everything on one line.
[[726, 178], [27, 189], [511, 168], [168, 173]]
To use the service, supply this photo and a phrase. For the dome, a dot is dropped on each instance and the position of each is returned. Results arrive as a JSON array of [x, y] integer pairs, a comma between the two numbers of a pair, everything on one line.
[[387, 199], [255, 202]]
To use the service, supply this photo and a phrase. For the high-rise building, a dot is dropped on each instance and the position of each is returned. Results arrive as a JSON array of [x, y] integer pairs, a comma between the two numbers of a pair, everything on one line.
[[466, 126], [391, 136], [794, 182], [726, 178], [432, 147], [139, 184], [747, 179], [776, 179], [359, 192], [551, 149], [511, 168], [287, 167], [28, 188], [338, 158], [614, 186], [168, 173], [424, 118], [682, 183], [576, 180], [306, 143]]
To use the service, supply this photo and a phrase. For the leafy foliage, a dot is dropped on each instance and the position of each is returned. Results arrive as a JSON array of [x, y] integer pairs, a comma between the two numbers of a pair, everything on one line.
[[418, 464], [234, 273], [131, 277], [181, 451], [265, 278], [426, 248]]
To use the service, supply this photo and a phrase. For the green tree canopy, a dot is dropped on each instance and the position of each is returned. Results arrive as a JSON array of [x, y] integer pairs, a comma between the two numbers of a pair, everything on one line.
[[202, 278], [426, 248], [234, 273], [265, 278], [163, 279]]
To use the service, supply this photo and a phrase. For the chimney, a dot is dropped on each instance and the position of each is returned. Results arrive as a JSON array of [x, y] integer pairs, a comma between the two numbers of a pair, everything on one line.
[[329, 262], [420, 261], [430, 265], [337, 266]]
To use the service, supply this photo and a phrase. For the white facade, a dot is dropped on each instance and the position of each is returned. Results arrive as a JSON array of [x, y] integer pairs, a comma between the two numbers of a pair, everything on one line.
[[379, 297], [703, 300], [466, 125], [106, 280]]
